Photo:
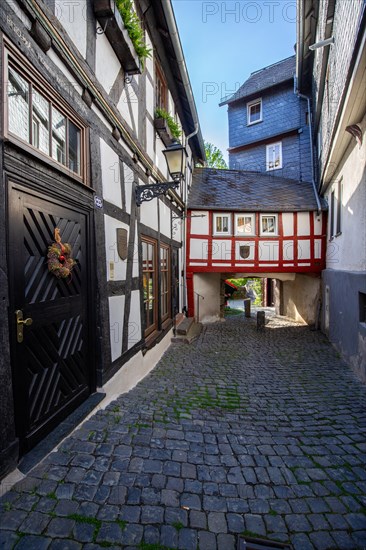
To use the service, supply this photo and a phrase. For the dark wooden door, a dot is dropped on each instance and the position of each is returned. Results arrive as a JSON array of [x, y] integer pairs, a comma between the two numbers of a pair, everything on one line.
[[51, 367]]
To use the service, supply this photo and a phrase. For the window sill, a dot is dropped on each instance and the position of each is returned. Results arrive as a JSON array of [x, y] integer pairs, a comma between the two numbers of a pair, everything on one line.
[[111, 21], [221, 235], [255, 122], [273, 169]]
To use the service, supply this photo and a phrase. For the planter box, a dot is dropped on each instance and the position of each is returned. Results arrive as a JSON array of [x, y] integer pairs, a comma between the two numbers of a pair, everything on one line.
[[162, 128], [111, 21]]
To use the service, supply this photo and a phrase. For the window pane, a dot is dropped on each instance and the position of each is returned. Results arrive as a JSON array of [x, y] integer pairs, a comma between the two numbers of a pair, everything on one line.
[[244, 224], [40, 123], [74, 148], [18, 105], [218, 223], [269, 224], [58, 136], [255, 112]]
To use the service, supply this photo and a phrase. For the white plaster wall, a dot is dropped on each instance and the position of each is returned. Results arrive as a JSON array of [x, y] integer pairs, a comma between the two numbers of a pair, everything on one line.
[[268, 250], [116, 313], [251, 245], [221, 249], [208, 285], [111, 179], [303, 224], [199, 226], [199, 249], [160, 158], [134, 323], [165, 219], [347, 252], [135, 268], [318, 223], [317, 248], [300, 298], [128, 176], [113, 260], [149, 62], [288, 250], [149, 214], [288, 224], [72, 16], [150, 93], [303, 249], [69, 77], [150, 139], [107, 65], [128, 106]]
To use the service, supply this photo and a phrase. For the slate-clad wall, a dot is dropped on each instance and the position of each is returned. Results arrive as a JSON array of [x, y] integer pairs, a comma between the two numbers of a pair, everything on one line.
[[282, 111]]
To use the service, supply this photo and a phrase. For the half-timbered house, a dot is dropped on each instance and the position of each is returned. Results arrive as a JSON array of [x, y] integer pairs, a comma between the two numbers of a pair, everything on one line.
[[82, 151]]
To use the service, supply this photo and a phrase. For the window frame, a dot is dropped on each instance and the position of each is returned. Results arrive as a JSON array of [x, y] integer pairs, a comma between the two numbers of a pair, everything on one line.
[[339, 220], [167, 294], [246, 215], [251, 104], [160, 78], [216, 233], [37, 83], [268, 160], [151, 328], [265, 233]]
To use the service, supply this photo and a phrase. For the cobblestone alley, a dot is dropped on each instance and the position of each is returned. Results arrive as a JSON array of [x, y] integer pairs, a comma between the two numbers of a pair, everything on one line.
[[243, 432]]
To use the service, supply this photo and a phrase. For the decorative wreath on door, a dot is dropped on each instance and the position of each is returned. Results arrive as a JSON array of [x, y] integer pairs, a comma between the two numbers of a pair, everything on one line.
[[59, 258]]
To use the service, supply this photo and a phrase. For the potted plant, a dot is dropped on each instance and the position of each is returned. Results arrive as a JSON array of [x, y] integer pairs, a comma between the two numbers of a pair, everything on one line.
[[167, 128]]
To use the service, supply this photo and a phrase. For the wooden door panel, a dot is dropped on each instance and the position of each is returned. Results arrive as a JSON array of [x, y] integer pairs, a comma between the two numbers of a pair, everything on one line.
[[51, 373]]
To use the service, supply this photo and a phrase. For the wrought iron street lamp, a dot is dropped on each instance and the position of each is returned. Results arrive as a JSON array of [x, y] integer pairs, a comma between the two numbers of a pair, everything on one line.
[[175, 156]]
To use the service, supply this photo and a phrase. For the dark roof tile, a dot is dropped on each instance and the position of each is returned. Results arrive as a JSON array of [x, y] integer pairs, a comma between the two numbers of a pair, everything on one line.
[[239, 190], [265, 78]]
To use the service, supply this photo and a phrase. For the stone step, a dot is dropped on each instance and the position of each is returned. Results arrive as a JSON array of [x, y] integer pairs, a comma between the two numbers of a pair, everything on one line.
[[185, 325], [193, 333]]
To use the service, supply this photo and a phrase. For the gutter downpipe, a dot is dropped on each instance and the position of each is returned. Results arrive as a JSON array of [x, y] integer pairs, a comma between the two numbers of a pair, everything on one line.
[[302, 96], [172, 26]]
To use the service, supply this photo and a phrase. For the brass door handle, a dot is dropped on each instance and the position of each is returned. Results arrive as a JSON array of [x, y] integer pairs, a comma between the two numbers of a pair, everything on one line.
[[20, 324]]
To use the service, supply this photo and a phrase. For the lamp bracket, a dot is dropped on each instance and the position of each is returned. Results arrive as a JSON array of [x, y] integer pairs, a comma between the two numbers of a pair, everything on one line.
[[149, 192]]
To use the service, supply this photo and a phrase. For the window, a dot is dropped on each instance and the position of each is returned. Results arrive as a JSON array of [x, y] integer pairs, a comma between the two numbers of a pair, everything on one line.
[[165, 282], [161, 90], [221, 224], [274, 156], [339, 208], [149, 283], [244, 224], [39, 120], [254, 111], [269, 224]]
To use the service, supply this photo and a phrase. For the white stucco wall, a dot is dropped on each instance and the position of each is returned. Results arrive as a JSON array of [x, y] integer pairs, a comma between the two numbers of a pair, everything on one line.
[[116, 312], [288, 224], [347, 251], [199, 225], [149, 214], [300, 298], [303, 223], [198, 249], [116, 267], [134, 324], [72, 16], [165, 225], [111, 178], [107, 65], [208, 285]]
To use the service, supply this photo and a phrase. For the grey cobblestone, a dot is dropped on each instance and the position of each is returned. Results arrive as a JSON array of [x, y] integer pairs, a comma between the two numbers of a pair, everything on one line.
[[287, 464]]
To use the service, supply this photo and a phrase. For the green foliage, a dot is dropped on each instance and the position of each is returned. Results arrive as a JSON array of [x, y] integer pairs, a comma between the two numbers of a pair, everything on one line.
[[134, 29], [214, 157], [256, 284], [172, 124]]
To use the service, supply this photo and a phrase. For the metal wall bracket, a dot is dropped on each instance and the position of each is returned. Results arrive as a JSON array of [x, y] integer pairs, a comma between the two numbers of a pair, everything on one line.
[[145, 193]]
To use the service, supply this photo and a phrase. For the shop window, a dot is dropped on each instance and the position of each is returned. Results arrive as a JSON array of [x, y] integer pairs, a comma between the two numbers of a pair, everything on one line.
[[40, 121]]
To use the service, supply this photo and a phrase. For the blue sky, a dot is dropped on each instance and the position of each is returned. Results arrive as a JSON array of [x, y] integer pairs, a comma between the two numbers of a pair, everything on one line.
[[223, 43]]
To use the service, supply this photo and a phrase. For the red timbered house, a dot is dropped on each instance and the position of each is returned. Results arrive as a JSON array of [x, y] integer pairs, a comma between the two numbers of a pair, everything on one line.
[[252, 224]]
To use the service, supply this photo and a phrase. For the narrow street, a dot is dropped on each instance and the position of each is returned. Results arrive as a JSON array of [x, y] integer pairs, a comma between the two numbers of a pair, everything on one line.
[[243, 432]]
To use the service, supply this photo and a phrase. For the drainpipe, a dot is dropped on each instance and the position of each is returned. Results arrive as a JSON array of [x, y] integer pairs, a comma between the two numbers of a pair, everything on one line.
[[302, 96]]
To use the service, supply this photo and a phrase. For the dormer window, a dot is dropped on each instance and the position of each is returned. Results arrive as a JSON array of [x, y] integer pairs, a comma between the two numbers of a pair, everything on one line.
[[254, 112], [274, 156]]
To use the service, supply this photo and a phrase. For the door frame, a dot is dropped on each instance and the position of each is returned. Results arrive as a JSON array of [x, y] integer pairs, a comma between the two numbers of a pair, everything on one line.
[[59, 195]]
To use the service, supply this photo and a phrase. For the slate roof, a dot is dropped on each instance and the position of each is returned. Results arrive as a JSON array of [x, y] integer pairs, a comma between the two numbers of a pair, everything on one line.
[[239, 190], [265, 78]]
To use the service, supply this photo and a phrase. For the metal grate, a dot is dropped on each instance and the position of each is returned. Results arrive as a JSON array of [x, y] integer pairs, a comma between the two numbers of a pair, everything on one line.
[[248, 543]]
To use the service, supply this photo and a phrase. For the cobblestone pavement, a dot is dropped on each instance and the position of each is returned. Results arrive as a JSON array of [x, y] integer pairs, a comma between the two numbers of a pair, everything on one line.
[[261, 434]]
